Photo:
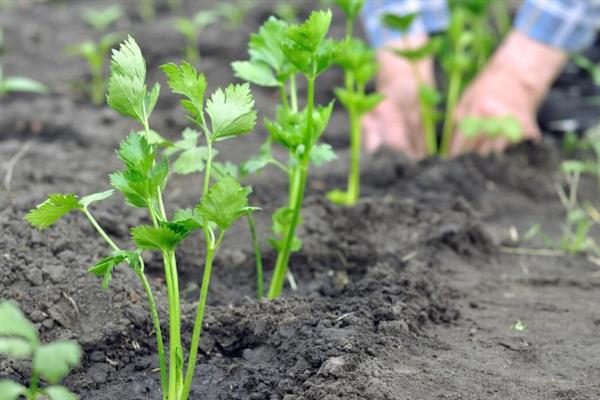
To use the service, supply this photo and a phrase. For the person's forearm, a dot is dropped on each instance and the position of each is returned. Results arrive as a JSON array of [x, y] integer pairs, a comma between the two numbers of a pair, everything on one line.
[[534, 64]]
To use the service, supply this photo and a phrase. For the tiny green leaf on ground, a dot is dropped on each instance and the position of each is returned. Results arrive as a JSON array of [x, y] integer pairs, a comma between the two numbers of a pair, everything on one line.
[[11, 390], [53, 361]]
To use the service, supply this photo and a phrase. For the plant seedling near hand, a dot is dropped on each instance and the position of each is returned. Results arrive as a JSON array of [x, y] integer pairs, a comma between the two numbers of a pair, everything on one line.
[[51, 362], [359, 65], [429, 97], [15, 84], [144, 178], [279, 52], [507, 127]]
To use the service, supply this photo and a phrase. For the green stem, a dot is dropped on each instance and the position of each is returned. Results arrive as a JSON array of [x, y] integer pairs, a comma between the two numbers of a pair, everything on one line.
[[33, 386], [428, 120], [293, 189], [208, 167], [283, 256], [355, 143], [193, 353], [157, 329], [174, 327], [97, 84], [257, 256], [293, 94], [452, 99], [284, 100], [99, 229]]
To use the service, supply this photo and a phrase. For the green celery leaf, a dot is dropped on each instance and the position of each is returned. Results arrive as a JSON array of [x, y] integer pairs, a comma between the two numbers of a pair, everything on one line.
[[359, 102], [186, 220], [15, 324], [57, 392], [350, 7], [185, 80], [154, 137], [231, 111], [102, 19], [265, 47], [15, 347], [12, 390], [321, 118], [429, 49], [225, 202], [222, 170], [122, 181], [13, 84], [127, 93], [104, 268], [53, 361], [136, 153], [400, 23], [52, 209], [85, 201], [255, 72], [309, 34], [156, 238], [357, 57], [322, 153], [190, 161], [326, 54], [258, 161], [429, 95]]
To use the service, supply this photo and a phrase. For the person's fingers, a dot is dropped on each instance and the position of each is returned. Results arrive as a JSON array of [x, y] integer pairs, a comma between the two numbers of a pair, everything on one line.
[[371, 133], [415, 134], [500, 145]]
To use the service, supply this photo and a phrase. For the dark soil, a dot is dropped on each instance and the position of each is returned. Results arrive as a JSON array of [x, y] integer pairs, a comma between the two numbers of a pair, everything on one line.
[[412, 294]]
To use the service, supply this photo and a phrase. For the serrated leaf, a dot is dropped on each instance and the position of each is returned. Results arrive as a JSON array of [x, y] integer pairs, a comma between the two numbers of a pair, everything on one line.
[[221, 170], [255, 72], [53, 361], [57, 392], [120, 182], [401, 23], [265, 46], [258, 161], [231, 112], [85, 201], [186, 80], [11, 390], [350, 7], [309, 34], [52, 210], [136, 153], [127, 93], [356, 57], [186, 220], [15, 347], [156, 238], [15, 324], [104, 268], [191, 160], [225, 202], [322, 153]]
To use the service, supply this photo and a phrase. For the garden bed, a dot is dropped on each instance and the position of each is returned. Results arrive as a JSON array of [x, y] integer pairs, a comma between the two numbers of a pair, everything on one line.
[[412, 294]]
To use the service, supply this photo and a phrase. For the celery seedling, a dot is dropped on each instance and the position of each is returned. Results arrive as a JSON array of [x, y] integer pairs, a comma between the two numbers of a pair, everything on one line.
[[191, 28], [142, 182], [359, 65], [277, 54], [51, 362], [102, 19], [507, 127], [428, 97], [14, 84], [94, 53]]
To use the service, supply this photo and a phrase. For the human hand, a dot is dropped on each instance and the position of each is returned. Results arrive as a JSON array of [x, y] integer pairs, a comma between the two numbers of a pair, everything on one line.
[[513, 84], [396, 121]]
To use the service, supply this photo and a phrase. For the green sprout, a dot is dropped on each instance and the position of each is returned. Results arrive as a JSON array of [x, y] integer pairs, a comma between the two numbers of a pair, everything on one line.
[[507, 127], [359, 65], [101, 20], [226, 114], [95, 53], [191, 28], [278, 53], [50, 362], [15, 84], [428, 96], [147, 9]]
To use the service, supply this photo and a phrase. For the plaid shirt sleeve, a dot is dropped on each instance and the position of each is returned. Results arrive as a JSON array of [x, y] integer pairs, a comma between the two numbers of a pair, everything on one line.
[[569, 25], [433, 16]]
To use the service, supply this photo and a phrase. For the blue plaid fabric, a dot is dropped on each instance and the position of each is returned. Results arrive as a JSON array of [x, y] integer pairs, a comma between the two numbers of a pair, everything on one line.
[[570, 25]]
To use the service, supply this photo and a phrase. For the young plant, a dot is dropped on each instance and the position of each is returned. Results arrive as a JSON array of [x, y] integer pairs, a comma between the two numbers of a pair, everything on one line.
[[142, 182], [191, 28], [278, 53], [101, 20], [359, 65], [147, 9], [15, 84], [507, 127], [94, 53], [51, 362], [429, 97]]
